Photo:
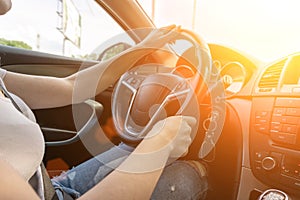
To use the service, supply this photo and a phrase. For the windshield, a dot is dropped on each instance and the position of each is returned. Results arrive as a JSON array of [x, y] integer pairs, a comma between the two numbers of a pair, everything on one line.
[[266, 29], [71, 28]]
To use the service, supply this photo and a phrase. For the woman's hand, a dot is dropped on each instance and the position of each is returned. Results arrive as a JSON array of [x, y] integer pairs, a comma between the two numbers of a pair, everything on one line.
[[173, 133], [168, 140], [157, 38]]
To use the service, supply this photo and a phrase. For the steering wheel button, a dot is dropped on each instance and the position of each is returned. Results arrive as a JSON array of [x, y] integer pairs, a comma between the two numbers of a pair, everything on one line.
[[133, 81]]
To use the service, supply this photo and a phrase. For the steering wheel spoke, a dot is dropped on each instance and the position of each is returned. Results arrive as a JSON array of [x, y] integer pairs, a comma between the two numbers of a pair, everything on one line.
[[149, 93]]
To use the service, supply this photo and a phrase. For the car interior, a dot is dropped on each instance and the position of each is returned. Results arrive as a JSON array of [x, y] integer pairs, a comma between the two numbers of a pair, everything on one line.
[[253, 141]]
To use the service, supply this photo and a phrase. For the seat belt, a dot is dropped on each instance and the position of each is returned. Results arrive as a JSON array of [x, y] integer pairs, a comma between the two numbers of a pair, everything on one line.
[[49, 192], [6, 94]]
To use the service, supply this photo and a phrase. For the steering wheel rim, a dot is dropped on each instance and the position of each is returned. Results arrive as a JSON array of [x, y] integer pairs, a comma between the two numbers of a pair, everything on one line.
[[132, 80], [130, 130], [215, 89], [202, 53]]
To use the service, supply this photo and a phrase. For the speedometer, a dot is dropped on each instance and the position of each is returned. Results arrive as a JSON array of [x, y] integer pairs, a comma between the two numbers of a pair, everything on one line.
[[233, 76]]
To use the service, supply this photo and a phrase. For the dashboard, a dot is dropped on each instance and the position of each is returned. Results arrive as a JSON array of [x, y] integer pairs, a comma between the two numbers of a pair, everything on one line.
[[271, 133], [275, 125]]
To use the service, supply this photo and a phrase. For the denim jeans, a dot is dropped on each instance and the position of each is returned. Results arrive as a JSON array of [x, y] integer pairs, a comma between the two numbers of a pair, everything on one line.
[[179, 180]]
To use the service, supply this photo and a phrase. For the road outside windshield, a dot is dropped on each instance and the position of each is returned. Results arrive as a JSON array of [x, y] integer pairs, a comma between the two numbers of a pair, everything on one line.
[[265, 29]]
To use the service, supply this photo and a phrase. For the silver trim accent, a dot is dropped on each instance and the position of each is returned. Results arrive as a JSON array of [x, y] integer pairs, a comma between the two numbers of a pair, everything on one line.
[[261, 197], [58, 130], [271, 167]]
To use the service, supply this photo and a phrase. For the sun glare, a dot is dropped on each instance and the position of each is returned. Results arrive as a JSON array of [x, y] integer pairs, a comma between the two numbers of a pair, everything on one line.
[[267, 29]]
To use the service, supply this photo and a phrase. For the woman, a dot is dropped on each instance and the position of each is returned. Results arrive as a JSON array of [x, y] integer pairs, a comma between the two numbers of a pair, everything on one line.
[[20, 160]]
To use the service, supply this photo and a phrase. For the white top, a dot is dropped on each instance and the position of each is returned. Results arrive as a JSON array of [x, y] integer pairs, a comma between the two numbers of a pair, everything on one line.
[[21, 140]]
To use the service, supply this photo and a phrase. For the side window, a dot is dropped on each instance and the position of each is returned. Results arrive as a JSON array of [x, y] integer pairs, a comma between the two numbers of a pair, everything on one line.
[[72, 28]]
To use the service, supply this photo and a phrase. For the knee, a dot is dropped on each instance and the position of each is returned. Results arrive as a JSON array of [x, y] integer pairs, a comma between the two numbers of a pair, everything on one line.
[[182, 180]]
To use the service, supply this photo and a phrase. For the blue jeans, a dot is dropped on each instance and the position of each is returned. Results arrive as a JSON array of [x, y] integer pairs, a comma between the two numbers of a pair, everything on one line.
[[179, 180]]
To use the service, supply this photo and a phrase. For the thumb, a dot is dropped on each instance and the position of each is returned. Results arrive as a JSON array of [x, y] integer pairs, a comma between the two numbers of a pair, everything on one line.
[[190, 120]]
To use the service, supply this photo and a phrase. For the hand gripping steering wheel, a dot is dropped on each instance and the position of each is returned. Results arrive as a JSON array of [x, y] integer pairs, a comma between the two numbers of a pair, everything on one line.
[[151, 92]]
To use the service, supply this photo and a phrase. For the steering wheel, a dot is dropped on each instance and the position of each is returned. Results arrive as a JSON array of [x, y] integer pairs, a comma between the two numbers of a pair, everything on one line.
[[151, 92]]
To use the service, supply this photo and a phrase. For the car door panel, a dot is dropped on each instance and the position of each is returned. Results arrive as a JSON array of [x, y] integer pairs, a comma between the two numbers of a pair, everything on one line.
[[56, 123]]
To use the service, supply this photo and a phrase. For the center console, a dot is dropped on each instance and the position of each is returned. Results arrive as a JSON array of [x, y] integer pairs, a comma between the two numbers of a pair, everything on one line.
[[275, 126], [275, 142]]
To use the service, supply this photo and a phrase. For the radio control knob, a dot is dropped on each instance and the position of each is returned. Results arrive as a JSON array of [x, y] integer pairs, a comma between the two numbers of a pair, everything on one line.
[[268, 163]]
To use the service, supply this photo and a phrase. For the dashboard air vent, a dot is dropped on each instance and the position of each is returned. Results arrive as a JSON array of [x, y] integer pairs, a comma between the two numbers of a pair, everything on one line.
[[270, 78]]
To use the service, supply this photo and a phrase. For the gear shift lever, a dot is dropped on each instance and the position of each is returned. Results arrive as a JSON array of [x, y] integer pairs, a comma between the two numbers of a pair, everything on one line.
[[273, 194]]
